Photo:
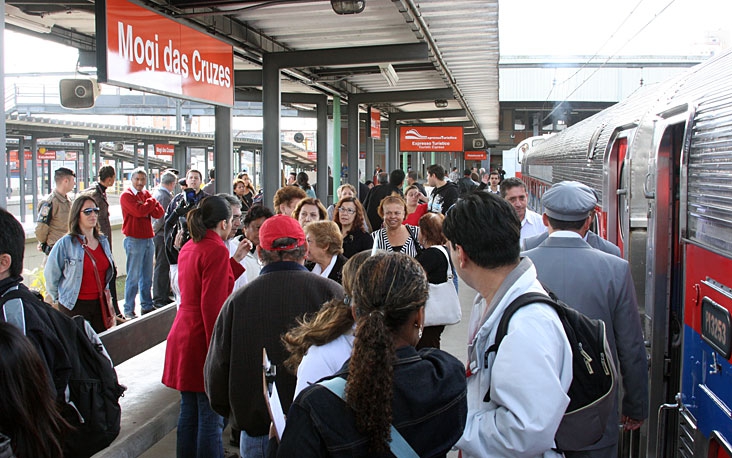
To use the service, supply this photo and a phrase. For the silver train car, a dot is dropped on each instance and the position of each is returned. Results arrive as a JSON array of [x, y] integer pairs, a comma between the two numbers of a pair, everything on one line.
[[661, 163]]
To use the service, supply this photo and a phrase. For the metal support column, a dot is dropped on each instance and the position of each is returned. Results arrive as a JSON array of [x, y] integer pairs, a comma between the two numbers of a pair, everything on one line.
[[3, 170], [87, 164], [271, 148], [337, 143], [21, 176], [34, 178], [223, 146], [146, 163], [97, 156], [354, 127], [369, 145], [391, 151], [321, 140], [180, 159]]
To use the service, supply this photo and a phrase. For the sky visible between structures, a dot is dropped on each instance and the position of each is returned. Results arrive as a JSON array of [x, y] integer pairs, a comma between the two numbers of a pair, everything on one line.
[[526, 27]]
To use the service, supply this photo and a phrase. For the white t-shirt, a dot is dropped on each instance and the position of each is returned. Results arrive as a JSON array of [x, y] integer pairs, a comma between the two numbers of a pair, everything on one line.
[[323, 360]]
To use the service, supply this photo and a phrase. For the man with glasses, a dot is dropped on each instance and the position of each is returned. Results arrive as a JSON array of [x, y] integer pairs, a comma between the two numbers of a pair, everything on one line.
[[138, 206], [53, 213], [238, 246]]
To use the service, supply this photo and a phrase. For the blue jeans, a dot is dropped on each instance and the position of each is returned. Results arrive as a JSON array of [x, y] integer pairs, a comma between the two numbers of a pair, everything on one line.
[[199, 428], [139, 273], [253, 446]]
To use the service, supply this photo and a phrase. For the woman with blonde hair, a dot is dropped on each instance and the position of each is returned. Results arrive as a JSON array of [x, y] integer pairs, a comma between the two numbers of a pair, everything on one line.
[[350, 217], [325, 249], [343, 191], [387, 388], [395, 236]]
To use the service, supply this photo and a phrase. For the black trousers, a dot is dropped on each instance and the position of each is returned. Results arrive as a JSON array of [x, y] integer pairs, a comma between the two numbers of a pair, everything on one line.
[[162, 294]]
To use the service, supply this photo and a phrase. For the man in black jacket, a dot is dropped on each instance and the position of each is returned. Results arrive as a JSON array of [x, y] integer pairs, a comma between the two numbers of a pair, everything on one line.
[[377, 193], [444, 193], [254, 317]]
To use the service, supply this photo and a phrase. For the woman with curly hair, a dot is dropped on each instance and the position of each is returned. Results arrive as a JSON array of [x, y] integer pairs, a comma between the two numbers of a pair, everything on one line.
[[390, 387], [321, 343], [350, 217]]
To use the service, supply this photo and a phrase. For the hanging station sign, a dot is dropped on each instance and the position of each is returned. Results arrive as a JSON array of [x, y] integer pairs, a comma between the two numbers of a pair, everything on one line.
[[476, 155], [431, 138], [138, 48], [375, 124], [164, 149]]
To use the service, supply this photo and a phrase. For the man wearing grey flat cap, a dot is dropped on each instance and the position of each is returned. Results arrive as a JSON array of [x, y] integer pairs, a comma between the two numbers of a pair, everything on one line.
[[599, 285], [590, 237]]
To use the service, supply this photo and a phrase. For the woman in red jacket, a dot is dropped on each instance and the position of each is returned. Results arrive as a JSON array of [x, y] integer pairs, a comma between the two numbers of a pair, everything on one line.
[[206, 278]]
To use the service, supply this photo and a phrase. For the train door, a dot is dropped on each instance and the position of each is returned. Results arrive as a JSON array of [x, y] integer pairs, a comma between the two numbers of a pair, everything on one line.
[[616, 216], [663, 305]]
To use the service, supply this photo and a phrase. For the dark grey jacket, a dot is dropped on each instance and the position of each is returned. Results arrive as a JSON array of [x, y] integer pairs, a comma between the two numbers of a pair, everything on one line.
[[594, 240], [600, 286]]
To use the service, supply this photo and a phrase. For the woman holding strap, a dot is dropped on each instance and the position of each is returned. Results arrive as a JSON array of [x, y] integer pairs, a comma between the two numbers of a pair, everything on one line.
[[80, 267]]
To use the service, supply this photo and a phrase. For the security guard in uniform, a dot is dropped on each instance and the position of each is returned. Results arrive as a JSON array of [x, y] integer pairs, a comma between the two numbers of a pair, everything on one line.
[[53, 214]]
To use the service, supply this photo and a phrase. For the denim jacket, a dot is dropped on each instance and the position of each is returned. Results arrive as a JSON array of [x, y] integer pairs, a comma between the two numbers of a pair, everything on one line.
[[65, 266], [428, 409]]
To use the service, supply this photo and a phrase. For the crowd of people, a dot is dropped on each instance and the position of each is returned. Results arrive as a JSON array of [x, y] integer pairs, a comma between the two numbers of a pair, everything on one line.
[[336, 296]]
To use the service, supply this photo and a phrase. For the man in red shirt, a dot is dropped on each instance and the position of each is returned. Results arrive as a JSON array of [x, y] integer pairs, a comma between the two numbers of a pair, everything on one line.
[[138, 207]]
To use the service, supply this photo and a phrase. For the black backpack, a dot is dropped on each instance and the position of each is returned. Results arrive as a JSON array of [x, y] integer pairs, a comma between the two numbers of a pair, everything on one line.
[[593, 389], [91, 405]]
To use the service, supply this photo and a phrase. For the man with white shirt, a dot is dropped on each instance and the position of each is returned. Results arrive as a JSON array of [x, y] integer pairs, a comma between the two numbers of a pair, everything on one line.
[[599, 285], [238, 247], [514, 191], [253, 220]]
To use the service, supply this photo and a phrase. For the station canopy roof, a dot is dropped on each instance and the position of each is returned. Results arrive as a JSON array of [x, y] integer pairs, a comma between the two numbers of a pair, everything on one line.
[[461, 38]]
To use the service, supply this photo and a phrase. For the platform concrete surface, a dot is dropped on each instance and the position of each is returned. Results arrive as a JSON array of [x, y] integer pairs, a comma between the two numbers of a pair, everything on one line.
[[454, 341], [149, 408]]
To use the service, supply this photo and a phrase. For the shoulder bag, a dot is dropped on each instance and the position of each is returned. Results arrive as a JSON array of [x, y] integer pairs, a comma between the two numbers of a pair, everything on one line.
[[105, 297], [443, 303]]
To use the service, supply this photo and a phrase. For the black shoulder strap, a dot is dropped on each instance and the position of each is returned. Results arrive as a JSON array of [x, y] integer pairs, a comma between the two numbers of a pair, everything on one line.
[[417, 246], [522, 300]]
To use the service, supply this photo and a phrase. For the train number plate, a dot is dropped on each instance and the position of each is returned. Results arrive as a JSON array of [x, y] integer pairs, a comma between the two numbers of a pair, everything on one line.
[[715, 325]]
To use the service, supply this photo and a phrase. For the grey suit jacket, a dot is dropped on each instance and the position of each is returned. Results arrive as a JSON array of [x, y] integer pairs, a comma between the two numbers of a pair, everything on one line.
[[593, 239], [600, 286]]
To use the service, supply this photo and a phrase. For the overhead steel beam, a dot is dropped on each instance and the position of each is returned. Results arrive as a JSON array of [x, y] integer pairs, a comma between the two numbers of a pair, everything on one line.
[[350, 56], [407, 115]]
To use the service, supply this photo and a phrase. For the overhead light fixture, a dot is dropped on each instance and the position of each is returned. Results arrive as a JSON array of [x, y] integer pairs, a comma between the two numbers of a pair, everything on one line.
[[16, 17], [348, 6], [441, 103], [389, 74]]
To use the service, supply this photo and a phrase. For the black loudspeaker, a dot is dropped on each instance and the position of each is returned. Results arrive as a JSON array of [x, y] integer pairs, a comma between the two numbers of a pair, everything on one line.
[[78, 93]]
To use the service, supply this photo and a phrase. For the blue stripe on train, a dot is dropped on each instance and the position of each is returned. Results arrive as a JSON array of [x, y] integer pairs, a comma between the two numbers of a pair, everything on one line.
[[707, 396]]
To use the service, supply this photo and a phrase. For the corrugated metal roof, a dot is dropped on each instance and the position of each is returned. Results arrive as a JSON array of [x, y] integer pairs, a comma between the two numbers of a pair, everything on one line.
[[462, 36]]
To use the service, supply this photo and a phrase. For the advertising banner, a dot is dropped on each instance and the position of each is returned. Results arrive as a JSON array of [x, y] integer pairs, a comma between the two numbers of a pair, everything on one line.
[[431, 138], [375, 124], [150, 52]]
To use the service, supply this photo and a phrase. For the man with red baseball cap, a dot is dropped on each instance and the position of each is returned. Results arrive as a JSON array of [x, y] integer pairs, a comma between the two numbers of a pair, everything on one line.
[[253, 318]]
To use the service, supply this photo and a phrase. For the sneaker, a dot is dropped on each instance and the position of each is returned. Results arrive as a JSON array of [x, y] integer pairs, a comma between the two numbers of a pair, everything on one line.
[[130, 316]]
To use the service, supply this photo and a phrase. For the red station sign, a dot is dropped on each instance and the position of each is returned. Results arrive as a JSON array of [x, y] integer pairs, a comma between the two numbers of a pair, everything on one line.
[[432, 138], [150, 52]]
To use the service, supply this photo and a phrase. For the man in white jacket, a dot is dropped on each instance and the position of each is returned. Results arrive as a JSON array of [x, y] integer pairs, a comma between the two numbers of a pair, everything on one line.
[[528, 377]]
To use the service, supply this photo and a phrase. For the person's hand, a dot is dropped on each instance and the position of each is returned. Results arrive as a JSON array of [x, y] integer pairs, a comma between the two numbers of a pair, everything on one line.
[[485, 178], [422, 198], [245, 246], [630, 424], [178, 242], [39, 247]]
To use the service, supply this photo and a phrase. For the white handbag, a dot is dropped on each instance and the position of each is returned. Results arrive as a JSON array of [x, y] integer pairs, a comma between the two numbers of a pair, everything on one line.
[[443, 303]]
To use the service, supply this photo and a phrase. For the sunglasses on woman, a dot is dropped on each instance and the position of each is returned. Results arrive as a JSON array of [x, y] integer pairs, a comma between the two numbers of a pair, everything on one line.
[[89, 211]]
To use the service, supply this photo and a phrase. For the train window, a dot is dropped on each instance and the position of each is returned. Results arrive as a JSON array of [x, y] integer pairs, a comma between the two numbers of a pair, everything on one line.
[[708, 193]]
